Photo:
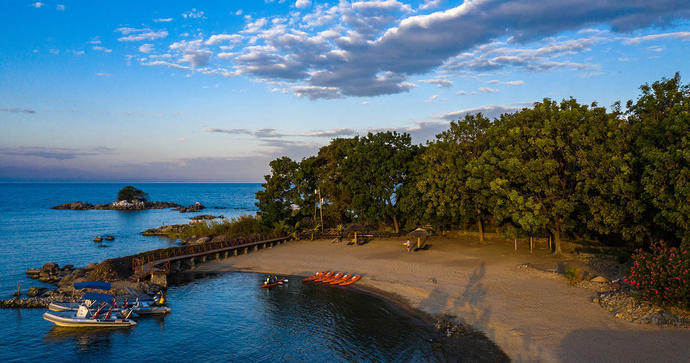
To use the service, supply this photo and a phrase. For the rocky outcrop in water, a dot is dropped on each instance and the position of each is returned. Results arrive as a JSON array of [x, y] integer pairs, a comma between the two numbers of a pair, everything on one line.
[[205, 217], [168, 231], [124, 205], [196, 207]]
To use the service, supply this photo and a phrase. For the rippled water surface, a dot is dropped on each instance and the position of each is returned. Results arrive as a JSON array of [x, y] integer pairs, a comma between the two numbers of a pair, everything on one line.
[[228, 317], [32, 234]]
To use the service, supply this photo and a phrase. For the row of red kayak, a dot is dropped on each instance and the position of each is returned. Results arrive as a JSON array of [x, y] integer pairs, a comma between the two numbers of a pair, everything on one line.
[[333, 278]]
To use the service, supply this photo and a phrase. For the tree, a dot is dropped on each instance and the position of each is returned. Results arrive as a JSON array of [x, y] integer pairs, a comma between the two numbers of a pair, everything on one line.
[[661, 120], [374, 169], [447, 194], [276, 199], [534, 174], [131, 193]]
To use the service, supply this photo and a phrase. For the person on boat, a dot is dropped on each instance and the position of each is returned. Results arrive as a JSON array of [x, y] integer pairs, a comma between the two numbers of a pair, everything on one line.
[[268, 280]]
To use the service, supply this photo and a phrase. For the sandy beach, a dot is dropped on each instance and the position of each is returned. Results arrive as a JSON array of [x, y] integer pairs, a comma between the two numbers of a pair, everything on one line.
[[531, 315]]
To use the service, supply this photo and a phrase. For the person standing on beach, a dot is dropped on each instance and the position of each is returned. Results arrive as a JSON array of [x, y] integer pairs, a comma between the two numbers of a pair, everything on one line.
[[408, 245]]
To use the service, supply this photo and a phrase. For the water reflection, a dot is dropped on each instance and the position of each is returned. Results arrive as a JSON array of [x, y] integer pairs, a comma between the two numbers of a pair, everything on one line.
[[85, 339]]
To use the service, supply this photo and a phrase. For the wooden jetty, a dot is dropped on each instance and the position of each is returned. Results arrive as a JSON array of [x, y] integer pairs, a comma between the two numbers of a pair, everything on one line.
[[188, 256]]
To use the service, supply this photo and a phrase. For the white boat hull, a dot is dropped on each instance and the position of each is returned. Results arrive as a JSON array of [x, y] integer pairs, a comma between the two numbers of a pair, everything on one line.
[[69, 319]]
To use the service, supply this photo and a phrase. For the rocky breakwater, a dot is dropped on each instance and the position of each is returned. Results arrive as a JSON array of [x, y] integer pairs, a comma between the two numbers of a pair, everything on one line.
[[118, 205], [196, 207], [64, 279]]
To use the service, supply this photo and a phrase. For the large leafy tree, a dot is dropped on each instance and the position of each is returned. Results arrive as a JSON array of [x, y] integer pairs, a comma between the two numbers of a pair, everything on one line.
[[661, 120], [534, 172], [374, 169], [330, 180], [279, 194], [443, 183]]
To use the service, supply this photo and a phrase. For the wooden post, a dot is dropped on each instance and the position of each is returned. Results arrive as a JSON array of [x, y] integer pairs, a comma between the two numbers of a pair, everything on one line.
[[549, 242], [419, 242], [516, 245], [355, 238]]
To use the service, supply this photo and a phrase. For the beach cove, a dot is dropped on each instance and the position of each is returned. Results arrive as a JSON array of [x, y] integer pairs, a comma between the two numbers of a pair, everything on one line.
[[531, 315]]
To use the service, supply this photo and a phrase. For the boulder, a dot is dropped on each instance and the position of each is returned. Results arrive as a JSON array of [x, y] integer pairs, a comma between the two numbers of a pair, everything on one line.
[[35, 291], [90, 266], [220, 238], [201, 240], [600, 279], [67, 267], [50, 266], [33, 271], [206, 217], [98, 239], [109, 238], [192, 208]]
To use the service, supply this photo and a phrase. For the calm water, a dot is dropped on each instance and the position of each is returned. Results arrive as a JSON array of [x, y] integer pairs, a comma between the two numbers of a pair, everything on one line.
[[227, 318], [32, 234], [217, 318]]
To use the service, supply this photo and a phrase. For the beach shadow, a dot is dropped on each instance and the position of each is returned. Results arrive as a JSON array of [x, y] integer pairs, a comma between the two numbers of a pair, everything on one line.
[[592, 345]]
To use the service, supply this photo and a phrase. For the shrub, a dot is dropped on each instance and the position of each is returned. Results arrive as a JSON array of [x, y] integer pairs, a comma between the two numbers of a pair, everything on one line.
[[243, 226], [662, 275], [571, 274]]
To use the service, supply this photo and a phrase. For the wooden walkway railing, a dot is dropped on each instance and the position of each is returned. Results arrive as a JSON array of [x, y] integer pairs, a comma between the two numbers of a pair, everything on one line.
[[146, 264]]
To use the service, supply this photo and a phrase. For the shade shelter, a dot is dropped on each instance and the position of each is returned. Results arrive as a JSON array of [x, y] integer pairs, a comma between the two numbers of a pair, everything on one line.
[[355, 227], [419, 233]]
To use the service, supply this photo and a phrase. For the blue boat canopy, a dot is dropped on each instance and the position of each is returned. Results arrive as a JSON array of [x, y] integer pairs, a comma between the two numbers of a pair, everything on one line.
[[92, 285], [98, 297]]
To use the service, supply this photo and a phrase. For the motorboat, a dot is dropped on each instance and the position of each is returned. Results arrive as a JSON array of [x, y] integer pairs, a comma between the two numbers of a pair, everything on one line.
[[84, 317]]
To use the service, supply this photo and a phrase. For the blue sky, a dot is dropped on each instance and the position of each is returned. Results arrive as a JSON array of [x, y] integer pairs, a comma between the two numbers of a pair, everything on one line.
[[212, 91]]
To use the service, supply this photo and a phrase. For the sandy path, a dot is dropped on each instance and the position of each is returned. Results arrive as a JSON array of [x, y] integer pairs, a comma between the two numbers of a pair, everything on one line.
[[531, 315]]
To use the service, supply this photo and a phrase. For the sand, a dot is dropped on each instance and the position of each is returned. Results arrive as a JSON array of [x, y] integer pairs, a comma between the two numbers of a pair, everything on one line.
[[531, 315]]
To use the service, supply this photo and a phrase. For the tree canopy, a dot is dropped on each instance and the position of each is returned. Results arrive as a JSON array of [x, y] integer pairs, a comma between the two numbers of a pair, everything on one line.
[[131, 193], [554, 169]]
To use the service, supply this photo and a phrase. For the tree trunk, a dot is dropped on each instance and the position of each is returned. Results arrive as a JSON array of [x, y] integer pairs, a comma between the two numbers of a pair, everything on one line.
[[395, 224], [480, 226], [557, 238]]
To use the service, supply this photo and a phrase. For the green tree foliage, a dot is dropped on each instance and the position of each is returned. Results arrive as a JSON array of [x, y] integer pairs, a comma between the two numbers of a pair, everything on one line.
[[661, 120], [131, 193], [374, 169], [445, 192], [275, 200], [555, 169]]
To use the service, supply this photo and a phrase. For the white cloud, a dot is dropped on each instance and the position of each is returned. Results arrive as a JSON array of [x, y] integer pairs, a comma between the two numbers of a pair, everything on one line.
[[514, 83], [103, 74], [489, 111], [238, 12], [302, 4], [685, 36], [38, 4], [655, 48], [487, 90], [439, 82], [180, 139], [60, 7], [220, 38], [193, 14], [461, 93], [101, 49], [432, 98], [146, 48], [141, 34], [163, 20], [430, 4]]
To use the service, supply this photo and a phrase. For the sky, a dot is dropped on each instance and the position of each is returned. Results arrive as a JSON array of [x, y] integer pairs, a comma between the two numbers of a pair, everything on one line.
[[211, 91]]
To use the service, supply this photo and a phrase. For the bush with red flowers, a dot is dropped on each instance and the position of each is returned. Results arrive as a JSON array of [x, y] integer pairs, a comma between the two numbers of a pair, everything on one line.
[[662, 276]]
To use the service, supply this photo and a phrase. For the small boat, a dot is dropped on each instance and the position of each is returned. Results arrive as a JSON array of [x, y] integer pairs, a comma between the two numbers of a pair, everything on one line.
[[139, 307], [351, 280], [324, 277], [84, 317], [279, 282], [342, 279], [316, 275], [332, 278]]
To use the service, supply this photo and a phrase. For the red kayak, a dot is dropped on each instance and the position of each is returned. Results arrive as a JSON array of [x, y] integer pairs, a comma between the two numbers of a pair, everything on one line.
[[315, 276], [350, 281], [279, 282], [332, 278], [338, 281], [324, 277]]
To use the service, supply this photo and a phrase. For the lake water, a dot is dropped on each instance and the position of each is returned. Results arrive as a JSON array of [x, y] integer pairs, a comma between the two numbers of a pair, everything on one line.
[[215, 318]]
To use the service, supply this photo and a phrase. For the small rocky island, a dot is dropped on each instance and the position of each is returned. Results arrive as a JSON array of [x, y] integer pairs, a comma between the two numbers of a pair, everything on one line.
[[130, 198]]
